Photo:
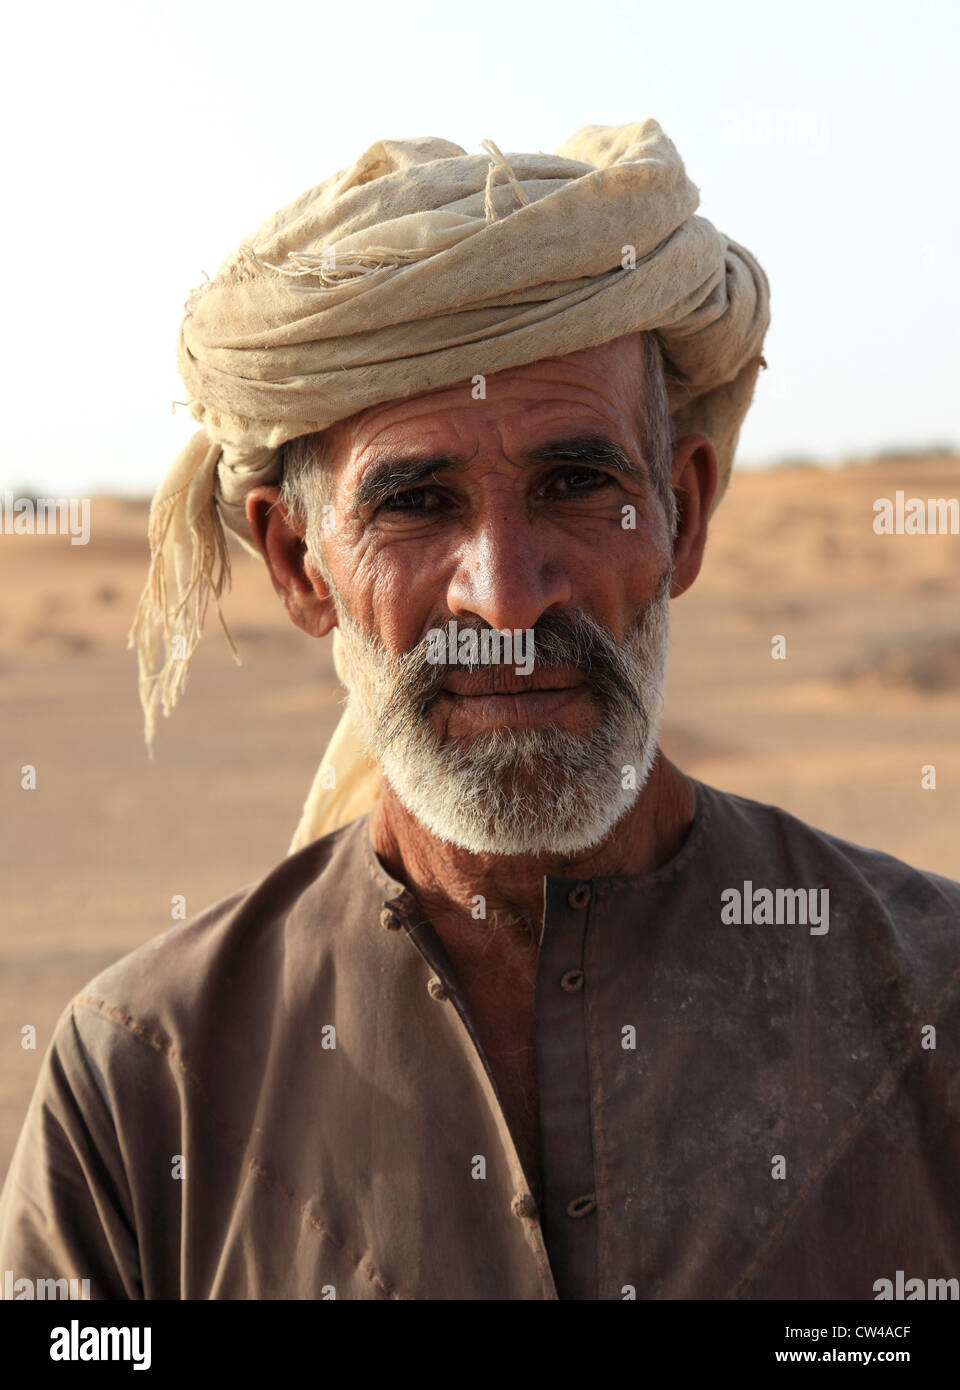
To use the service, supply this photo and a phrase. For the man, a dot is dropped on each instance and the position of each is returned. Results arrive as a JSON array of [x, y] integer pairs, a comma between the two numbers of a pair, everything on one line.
[[527, 1013]]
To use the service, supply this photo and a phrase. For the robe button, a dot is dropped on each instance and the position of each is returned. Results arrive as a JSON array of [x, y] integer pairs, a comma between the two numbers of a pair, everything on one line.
[[524, 1205], [389, 920], [582, 1206], [572, 981], [579, 897], [437, 988]]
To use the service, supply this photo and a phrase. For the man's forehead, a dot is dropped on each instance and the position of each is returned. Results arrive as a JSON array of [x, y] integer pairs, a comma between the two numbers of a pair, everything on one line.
[[515, 435], [518, 409]]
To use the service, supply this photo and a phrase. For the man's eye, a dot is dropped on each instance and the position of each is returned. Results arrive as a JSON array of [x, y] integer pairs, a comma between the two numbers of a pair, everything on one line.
[[409, 501], [582, 480], [578, 482]]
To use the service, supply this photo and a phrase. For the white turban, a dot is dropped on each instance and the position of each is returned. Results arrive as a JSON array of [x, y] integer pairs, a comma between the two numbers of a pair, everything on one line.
[[418, 267]]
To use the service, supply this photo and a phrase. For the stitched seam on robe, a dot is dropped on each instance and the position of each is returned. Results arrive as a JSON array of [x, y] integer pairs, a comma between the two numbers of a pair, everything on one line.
[[597, 1104], [162, 1045]]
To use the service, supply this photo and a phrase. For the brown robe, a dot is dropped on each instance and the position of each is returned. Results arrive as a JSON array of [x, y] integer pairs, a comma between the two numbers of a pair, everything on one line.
[[726, 1111]]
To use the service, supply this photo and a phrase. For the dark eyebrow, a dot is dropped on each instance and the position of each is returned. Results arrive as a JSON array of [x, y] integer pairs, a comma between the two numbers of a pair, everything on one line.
[[586, 448], [391, 474]]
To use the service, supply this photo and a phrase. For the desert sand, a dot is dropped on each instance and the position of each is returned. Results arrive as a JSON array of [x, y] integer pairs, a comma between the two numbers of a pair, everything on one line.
[[92, 859]]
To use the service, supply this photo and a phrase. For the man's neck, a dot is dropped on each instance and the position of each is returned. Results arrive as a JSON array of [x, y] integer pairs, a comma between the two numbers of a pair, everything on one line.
[[446, 879]]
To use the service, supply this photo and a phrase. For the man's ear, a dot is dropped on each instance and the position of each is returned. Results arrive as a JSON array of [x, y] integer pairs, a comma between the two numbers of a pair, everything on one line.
[[694, 481], [302, 588]]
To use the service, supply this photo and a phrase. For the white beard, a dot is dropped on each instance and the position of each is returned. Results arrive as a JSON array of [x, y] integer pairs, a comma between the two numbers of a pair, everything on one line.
[[510, 790]]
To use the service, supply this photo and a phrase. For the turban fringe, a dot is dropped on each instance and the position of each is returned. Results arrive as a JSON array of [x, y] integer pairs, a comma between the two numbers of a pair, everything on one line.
[[190, 562], [419, 267]]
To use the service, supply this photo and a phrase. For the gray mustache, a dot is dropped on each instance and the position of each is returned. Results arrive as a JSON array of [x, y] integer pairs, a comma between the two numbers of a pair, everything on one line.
[[559, 639]]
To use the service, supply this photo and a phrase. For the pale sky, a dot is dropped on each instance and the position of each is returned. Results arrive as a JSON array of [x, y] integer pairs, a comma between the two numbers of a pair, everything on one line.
[[144, 141]]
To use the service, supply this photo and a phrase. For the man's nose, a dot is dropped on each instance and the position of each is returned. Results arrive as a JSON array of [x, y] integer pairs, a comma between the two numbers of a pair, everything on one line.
[[507, 575]]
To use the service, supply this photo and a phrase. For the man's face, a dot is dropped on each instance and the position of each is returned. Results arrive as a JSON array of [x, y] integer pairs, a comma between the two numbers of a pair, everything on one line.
[[493, 537]]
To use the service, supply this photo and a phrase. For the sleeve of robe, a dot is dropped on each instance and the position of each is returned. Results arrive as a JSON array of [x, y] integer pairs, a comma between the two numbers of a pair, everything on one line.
[[65, 1208]]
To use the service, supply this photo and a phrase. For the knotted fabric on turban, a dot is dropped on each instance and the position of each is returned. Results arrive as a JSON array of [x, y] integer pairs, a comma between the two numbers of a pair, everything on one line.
[[419, 267]]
